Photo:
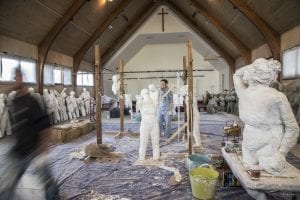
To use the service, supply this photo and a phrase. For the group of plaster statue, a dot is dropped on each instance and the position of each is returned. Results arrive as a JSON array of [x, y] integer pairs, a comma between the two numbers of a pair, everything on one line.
[[226, 101], [58, 106], [271, 129]]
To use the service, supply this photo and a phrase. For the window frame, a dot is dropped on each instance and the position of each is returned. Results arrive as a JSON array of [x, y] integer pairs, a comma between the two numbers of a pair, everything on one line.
[[294, 76]]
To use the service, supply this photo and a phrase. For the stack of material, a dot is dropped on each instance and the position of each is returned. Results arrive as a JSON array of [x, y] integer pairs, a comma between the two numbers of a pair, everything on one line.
[[69, 131]]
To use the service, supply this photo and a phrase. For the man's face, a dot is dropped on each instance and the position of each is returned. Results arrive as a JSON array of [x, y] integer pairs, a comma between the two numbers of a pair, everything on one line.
[[163, 85]]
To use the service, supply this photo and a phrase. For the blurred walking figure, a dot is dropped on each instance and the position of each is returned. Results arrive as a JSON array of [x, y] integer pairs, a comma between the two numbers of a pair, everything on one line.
[[31, 132]]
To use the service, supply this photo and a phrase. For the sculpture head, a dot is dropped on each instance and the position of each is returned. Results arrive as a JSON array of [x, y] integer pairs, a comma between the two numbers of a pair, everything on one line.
[[72, 93], [31, 90], [45, 91], [262, 72], [84, 89], [114, 78], [151, 87]]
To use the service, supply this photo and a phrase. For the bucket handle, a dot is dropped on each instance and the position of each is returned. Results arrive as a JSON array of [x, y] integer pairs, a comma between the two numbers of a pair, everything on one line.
[[206, 166]]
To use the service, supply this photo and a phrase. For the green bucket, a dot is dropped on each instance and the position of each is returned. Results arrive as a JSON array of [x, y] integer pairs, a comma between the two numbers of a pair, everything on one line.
[[203, 181]]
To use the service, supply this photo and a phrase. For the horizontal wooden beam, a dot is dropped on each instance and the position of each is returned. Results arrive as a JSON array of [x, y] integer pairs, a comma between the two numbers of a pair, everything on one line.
[[271, 36], [245, 51], [203, 34], [138, 20], [46, 43]]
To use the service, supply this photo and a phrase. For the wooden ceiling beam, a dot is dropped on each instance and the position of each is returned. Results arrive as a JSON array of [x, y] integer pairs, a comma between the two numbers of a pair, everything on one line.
[[271, 36], [46, 43], [245, 51], [130, 29], [97, 33], [203, 34]]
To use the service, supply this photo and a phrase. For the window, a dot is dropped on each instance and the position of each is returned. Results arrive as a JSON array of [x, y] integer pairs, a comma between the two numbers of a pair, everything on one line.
[[9, 65], [8, 68], [58, 75], [28, 69], [67, 76], [85, 78], [291, 63], [48, 75]]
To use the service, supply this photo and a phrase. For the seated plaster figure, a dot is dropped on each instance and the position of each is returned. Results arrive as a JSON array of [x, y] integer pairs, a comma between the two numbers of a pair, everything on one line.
[[56, 107], [212, 106], [149, 126], [5, 128], [80, 103], [86, 97], [37, 96], [116, 84], [49, 104], [270, 128]]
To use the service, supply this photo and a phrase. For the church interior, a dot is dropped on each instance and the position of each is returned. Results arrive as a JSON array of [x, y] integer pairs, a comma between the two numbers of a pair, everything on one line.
[[150, 99]]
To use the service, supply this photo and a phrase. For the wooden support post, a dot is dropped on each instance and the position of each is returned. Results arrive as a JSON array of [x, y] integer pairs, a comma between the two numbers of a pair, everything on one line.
[[190, 94], [98, 94], [121, 98], [184, 83]]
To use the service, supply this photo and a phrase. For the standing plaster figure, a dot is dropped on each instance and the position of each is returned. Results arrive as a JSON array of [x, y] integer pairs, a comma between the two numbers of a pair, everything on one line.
[[71, 105], [5, 127], [149, 126], [86, 98], [116, 84], [56, 107], [270, 128], [80, 103], [49, 104]]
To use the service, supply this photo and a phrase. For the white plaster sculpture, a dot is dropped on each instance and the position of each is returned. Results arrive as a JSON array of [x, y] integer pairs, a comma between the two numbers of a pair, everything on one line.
[[128, 104], [116, 84], [196, 123], [86, 97], [154, 95], [81, 107], [56, 107], [149, 126], [5, 128], [62, 102], [270, 128], [11, 97], [72, 106], [49, 104], [37, 97], [61, 106]]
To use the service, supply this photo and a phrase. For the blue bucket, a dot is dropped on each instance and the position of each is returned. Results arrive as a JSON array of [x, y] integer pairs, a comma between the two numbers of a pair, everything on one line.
[[195, 160]]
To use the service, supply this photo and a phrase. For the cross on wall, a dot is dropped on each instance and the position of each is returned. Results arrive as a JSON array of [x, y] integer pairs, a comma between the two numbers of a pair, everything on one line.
[[162, 13]]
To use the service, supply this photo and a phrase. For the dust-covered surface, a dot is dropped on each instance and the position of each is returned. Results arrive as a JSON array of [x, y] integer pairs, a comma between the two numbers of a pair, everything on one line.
[[117, 179]]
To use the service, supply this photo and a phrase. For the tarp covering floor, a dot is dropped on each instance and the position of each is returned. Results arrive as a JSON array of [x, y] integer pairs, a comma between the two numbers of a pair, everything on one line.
[[122, 179]]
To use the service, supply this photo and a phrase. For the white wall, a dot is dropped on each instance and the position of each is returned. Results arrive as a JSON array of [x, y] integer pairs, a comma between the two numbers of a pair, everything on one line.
[[165, 57]]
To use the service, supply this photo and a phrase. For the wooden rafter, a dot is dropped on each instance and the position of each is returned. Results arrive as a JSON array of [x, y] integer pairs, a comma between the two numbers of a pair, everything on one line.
[[271, 36], [46, 43], [203, 34], [130, 29], [245, 51], [97, 33]]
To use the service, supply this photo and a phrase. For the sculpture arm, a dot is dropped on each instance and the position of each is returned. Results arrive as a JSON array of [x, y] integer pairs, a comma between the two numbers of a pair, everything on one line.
[[238, 81], [291, 127]]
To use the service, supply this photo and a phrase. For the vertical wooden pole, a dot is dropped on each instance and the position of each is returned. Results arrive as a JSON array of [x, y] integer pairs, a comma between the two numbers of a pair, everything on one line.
[[184, 83], [190, 94], [98, 94], [121, 70]]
